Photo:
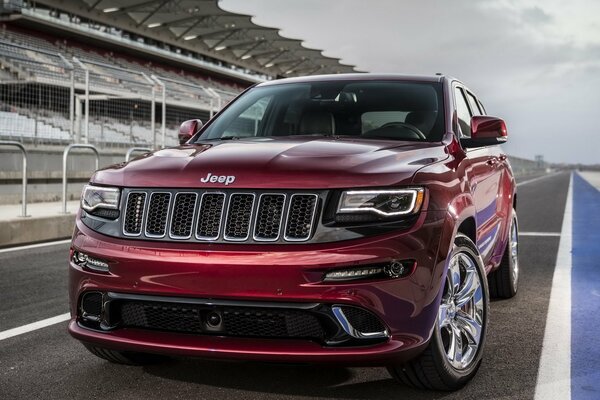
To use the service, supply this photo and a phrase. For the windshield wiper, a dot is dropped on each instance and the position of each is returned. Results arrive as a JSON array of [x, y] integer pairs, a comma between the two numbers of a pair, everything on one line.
[[220, 138]]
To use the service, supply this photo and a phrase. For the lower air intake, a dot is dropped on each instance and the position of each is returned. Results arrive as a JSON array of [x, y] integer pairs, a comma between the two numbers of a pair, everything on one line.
[[362, 320], [91, 303], [237, 321]]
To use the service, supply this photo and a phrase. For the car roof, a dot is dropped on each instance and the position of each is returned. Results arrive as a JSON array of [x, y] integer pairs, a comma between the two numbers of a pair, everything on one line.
[[358, 77]]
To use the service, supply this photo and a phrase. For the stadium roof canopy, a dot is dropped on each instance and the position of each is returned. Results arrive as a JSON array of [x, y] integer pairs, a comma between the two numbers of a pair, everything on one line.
[[203, 26]]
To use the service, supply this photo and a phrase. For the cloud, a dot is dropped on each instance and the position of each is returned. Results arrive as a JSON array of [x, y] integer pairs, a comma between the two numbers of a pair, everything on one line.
[[538, 72], [535, 15]]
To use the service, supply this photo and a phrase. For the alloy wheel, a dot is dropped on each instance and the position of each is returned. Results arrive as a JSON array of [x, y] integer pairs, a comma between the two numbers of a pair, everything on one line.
[[514, 252], [461, 313]]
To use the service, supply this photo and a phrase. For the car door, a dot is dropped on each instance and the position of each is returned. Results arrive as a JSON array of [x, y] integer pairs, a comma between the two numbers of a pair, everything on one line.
[[483, 177]]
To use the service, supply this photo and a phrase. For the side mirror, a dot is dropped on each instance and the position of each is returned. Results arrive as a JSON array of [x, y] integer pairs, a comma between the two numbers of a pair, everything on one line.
[[188, 129], [485, 131]]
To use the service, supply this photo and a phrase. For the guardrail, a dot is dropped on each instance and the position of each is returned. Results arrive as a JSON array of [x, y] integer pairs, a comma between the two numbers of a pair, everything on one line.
[[135, 149], [64, 172], [24, 181]]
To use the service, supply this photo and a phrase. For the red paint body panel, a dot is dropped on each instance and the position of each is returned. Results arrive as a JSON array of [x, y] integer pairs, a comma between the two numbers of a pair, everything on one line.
[[281, 163], [475, 187]]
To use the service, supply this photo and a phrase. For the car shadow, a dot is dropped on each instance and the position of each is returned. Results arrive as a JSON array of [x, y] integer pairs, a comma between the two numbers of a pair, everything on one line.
[[290, 380]]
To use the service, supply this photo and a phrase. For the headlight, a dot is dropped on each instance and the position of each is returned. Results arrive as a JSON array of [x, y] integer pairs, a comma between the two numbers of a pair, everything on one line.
[[101, 201], [384, 203]]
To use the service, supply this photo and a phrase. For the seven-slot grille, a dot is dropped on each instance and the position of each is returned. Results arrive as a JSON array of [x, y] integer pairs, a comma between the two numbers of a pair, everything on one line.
[[219, 216]]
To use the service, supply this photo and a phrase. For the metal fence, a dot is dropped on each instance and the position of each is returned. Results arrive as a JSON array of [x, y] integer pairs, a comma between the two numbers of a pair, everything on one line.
[[77, 96]]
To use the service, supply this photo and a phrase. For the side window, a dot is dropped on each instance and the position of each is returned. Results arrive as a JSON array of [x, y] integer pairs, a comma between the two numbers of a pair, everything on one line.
[[482, 108], [248, 123], [474, 104], [462, 111]]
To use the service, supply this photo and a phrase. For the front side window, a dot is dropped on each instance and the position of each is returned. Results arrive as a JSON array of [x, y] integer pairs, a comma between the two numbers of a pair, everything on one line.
[[474, 104], [368, 109], [462, 112]]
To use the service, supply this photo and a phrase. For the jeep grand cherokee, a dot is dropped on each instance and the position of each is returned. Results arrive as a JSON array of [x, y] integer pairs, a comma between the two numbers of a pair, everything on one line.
[[354, 219]]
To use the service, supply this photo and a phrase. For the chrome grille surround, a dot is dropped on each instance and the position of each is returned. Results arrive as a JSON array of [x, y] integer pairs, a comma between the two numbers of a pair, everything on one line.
[[292, 219], [239, 219], [157, 223], [261, 223], [215, 213], [182, 215], [220, 216], [134, 213]]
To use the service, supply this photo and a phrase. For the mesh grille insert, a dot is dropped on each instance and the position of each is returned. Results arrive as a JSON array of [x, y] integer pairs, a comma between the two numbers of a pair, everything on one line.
[[134, 213], [300, 216], [91, 303], [162, 316], [237, 226], [363, 320], [268, 217], [158, 210], [237, 321], [244, 321], [209, 216], [183, 215]]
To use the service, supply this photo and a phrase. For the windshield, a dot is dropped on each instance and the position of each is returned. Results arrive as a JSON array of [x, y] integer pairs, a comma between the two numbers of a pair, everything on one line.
[[368, 109]]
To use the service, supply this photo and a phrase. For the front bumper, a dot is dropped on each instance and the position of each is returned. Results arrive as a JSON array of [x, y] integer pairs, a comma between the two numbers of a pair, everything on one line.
[[268, 273]]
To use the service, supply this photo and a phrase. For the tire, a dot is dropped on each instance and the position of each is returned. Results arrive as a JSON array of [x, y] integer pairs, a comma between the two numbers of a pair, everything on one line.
[[435, 369], [124, 357], [503, 282]]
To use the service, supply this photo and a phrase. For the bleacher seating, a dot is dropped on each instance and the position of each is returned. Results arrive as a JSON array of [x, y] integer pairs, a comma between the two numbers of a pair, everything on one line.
[[30, 59], [15, 125]]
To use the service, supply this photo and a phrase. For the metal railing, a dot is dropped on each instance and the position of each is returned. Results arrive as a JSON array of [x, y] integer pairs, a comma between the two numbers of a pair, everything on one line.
[[24, 179], [134, 150], [64, 170]]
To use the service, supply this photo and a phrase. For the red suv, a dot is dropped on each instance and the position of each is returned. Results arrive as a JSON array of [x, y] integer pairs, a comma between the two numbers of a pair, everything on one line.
[[355, 219]]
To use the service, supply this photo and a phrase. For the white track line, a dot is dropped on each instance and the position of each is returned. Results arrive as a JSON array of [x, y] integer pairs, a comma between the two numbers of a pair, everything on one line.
[[537, 179], [554, 376], [556, 234], [35, 246], [34, 326]]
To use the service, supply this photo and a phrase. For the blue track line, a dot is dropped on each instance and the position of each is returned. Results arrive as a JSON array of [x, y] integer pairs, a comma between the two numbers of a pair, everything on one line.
[[585, 292]]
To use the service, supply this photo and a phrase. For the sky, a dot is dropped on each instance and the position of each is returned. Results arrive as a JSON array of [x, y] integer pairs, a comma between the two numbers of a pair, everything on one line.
[[535, 64]]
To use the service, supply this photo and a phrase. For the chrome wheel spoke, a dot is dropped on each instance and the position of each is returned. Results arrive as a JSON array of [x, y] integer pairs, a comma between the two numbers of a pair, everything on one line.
[[470, 286], [470, 327], [443, 317], [454, 278], [455, 348]]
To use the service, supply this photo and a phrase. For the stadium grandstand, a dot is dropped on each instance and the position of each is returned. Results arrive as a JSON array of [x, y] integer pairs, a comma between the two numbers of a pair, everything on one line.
[[125, 73]]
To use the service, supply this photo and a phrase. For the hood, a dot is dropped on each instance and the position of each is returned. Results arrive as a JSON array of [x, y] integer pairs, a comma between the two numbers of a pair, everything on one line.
[[283, 163]]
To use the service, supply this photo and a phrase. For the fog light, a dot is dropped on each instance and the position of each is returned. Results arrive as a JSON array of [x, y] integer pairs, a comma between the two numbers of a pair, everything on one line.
[[399, 269], [80, 257], [89, 262], [393, 269]]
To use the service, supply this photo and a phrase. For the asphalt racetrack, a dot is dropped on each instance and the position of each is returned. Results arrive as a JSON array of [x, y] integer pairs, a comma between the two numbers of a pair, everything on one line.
[[47, 363]]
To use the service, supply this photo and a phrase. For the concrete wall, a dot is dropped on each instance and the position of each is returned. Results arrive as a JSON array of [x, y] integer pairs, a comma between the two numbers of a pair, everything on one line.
[[524, 167], [31, 230], [46, 163], [45, 172]]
